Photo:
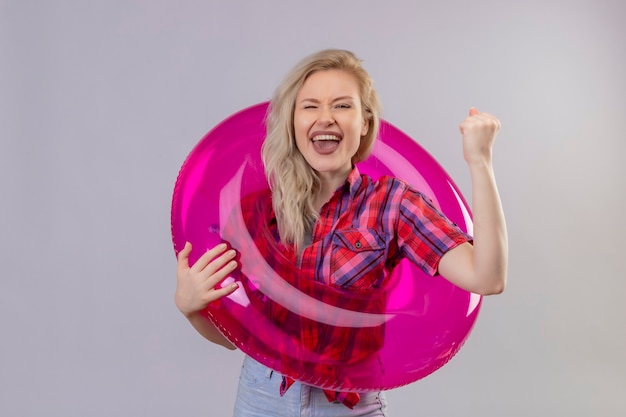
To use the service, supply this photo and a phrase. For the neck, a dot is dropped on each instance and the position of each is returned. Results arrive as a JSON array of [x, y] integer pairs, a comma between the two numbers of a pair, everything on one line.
[[329, 184]]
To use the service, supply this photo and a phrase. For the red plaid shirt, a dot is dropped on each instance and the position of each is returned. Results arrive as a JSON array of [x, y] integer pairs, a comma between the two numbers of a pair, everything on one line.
[[364, 230]]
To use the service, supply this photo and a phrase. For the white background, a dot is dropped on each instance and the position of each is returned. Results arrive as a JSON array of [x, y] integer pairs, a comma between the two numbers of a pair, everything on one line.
[[101, 101]]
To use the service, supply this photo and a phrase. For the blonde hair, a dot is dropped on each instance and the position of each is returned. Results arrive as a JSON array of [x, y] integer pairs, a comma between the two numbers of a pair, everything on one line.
[[293, 182]]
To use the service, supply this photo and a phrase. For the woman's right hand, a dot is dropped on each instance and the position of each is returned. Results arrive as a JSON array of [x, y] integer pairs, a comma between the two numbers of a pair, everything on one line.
[[196, 285]]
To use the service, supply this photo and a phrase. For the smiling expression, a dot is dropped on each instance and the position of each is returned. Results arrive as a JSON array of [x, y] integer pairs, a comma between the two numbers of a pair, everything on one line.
[[329, 123]]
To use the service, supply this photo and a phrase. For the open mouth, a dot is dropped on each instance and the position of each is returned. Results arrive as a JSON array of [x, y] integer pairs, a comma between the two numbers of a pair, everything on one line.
[[325, 143]]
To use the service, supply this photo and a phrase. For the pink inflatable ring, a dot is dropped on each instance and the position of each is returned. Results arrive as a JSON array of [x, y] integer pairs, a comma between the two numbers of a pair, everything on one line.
[[411, 326]]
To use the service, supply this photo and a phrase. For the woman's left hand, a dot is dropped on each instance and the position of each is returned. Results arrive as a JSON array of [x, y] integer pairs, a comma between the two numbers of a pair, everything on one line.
[[479, 132]]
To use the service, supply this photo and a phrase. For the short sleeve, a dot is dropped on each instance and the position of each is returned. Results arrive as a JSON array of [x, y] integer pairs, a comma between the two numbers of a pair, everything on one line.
[[424, 233]]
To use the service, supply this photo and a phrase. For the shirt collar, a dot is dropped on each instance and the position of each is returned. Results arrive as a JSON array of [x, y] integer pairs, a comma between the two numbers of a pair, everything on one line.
[[354, 181]]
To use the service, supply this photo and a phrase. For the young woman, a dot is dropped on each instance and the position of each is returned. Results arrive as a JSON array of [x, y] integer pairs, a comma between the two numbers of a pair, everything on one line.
[[323, 119]]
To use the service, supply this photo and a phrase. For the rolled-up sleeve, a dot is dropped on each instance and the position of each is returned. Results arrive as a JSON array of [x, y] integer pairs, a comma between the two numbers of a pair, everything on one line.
[[424, 233]]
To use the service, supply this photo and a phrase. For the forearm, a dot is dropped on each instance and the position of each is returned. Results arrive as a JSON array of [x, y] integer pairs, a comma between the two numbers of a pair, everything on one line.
[[490, 254], [205, 327], [481, 267]]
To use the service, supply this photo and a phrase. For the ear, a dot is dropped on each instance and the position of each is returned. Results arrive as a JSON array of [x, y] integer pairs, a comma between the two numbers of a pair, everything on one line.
[[365, 128]]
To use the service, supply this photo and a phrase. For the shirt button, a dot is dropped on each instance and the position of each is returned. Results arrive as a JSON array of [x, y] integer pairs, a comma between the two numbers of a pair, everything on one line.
[[358, 245]]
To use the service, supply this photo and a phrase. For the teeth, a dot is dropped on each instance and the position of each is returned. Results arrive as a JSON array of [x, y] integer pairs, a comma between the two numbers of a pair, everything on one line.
[[326, 137]]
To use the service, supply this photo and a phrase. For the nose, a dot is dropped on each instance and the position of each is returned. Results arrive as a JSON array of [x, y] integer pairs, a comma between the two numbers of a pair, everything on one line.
[[326, 117]]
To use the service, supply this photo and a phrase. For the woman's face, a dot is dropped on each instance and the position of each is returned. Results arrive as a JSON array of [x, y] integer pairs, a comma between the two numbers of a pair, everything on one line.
[[328, 122]]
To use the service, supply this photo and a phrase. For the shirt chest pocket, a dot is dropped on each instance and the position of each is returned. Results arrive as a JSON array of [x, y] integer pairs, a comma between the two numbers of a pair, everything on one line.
[[357, 259]]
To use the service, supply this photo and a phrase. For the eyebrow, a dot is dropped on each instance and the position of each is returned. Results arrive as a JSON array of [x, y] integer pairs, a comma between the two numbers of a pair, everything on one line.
[[314, 100]]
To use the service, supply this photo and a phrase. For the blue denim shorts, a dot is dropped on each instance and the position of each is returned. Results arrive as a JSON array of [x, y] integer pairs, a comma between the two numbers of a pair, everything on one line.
[[258, 395]]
